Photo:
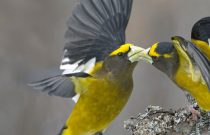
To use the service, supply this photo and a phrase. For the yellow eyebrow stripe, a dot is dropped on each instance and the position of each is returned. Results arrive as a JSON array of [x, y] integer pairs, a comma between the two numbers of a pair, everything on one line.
[[152, 51], [123, 48]]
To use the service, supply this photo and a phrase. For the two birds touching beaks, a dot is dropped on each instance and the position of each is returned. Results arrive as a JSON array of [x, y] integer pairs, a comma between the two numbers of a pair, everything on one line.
[[97, 65], [187, 63]]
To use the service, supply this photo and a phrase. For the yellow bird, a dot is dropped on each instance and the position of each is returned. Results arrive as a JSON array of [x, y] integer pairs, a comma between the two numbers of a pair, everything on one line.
[[185, 64], [97, 66], [189, 73]]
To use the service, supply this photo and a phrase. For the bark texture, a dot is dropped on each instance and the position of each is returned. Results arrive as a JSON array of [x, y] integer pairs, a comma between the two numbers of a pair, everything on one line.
[[158, 121]]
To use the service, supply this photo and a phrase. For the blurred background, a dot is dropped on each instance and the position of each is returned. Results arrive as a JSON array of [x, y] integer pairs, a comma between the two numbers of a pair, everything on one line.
[[31, 42]]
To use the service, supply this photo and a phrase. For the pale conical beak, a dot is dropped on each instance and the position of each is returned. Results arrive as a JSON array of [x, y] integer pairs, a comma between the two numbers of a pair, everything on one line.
[[137, 53]]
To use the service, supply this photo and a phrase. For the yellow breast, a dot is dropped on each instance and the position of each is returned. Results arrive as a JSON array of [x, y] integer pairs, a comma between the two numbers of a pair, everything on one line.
[[204, 47], [194, 84], [97, 106]]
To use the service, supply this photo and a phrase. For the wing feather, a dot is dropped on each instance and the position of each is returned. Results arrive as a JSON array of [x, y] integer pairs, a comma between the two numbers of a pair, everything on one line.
[[56, 85], [95, 29], [197, 57], [201, 60]]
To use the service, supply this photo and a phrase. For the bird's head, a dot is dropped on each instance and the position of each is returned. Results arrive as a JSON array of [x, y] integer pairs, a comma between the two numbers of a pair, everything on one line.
[[124, 59], [165, 57], [201, 32]]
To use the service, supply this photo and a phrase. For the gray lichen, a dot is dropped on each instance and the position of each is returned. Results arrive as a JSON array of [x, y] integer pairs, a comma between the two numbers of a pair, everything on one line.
[[157, 121]]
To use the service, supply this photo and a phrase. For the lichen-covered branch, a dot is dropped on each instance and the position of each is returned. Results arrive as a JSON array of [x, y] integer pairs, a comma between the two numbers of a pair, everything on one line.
[[158, 121]]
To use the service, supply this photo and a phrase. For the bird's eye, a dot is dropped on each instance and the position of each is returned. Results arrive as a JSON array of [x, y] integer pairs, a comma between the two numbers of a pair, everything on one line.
[[120, 54]]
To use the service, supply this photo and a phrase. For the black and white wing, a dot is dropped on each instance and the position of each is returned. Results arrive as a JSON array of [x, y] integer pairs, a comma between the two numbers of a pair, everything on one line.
[[95, 29]]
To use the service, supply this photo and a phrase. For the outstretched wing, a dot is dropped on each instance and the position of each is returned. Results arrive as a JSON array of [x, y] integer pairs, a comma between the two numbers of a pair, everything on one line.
[[198, 57], [56, 86], [95, 29]]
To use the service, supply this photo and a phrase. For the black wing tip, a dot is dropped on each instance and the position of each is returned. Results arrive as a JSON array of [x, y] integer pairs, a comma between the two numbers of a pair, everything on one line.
[[33, 85], [55, 86], [41, 82]]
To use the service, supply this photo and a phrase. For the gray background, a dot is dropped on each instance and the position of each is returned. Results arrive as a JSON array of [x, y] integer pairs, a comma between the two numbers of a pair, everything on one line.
[[31, 41]]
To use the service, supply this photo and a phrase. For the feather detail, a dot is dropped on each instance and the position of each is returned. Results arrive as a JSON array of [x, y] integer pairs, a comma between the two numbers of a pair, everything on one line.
[[95, 29], [56, 85]]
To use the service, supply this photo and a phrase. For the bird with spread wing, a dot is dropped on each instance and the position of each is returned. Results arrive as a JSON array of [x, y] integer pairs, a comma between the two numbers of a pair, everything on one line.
[[97, 66]]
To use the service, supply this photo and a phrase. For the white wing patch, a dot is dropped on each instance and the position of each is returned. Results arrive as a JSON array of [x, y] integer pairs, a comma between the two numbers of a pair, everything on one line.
[[69, 66], [89, 65], [65, 60], [75, 67], [76, 98]]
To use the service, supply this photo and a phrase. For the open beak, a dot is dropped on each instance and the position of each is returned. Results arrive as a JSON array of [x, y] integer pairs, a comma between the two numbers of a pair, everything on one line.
[[137, 53]]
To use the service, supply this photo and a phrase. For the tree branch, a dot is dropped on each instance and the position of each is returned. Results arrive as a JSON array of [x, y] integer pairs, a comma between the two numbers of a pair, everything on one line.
[[158, 121]]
